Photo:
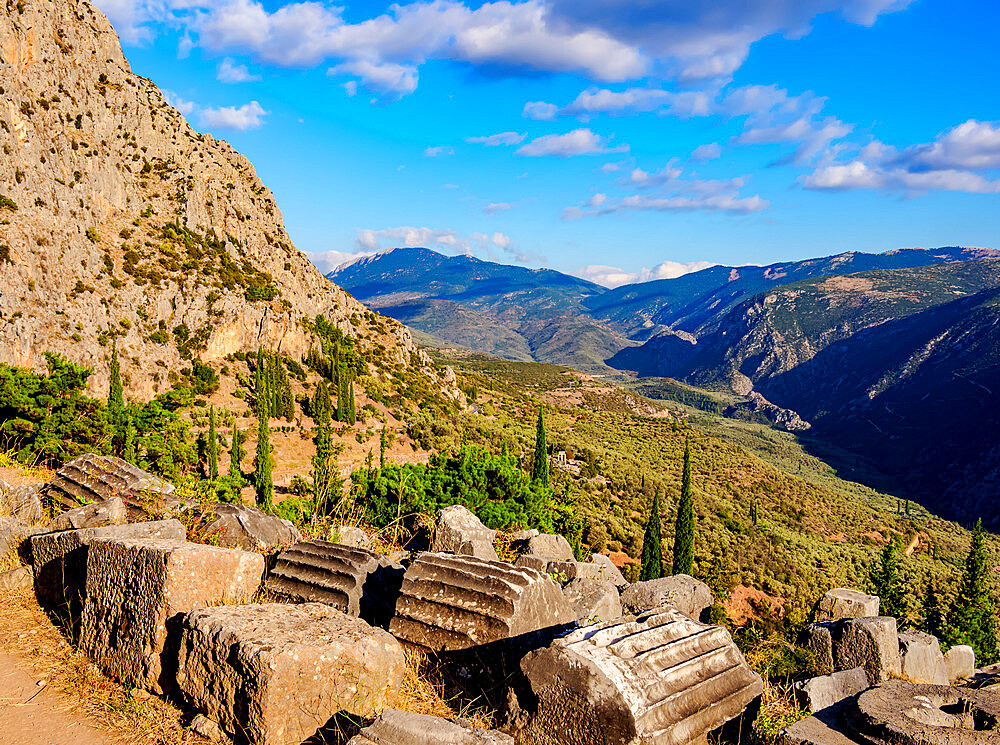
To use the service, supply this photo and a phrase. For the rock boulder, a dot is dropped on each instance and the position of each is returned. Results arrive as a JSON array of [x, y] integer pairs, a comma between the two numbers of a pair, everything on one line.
[[23, 503], [960, 662], [459, 531], [871, 643], [239, 526], [682, 593], [549, 546], [594, 601], [611, 572]]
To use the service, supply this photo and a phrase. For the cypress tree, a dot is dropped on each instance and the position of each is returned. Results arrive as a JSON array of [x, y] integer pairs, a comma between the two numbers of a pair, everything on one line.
[[381, 449], [213, 446], [116, 402], [974, 611], [236, 456], [684, 528], [886, 582], [341, 414], [323, 462], [129, 450], [540, 466], [260, 383], [352, 414], [933, 612], [652, 551], [320, 405], [262, 478]]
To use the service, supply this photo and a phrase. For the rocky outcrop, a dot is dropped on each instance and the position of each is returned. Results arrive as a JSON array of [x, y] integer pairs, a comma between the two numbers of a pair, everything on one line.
[[95, 478], [95, 515], [682, 593], [137, 591], [459, 531], [843, 602], [274, 674], [449, 602], [395, 727], [239, 526], [356, 581], [654, 679]]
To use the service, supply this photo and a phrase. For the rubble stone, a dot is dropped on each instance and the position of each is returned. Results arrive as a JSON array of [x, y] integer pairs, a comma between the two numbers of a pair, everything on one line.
[[94, 515], [18, 578], [397, 727], [611, 572], [354, 580], [680, 592], [842, 602], [450, 602], [239, 526], [94, 478], [824, 691], [658, 679], [137, 590], [274, 674], [960, 662], [594, 601], [60, 559], [921, 658], [551, 547], [22, 502], [14, 535], [459, 531]]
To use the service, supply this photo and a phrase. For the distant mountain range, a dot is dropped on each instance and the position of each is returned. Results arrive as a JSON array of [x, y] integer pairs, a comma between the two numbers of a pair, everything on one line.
[[891, 358]]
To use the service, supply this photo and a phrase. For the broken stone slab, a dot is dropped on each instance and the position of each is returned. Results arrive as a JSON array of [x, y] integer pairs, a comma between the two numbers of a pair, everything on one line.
[[94, 478], [611, 572], [94, 515], [449, 602], [23, 503], [921, 658], [60, 559], [351, 535], [680, 592], [356, 581], [593, 600], [274, 674], [538, 563], [871, 643], [459, 531], [960, 662], [654, 679], [566, 571], [239, 526], [395, 727], [823, 728], [18, 578], [137, 591], [843, 602], [549, 546], [824, 691]]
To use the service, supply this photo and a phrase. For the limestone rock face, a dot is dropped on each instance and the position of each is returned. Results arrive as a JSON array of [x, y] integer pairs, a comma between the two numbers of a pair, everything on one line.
[[273, 674], [353, 580], [960, 662], [594, 601], [842, 602], [551, 547], [654, 679], [680, 592], [449, 602], [21, 502], [459, 531], [94, 515], [95, 478], [824, 691], [60, 559], [395, 727], [239, 526], [921, 658], [137, 591]]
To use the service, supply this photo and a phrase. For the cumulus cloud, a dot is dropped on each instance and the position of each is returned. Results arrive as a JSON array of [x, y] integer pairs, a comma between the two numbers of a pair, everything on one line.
[[495, 207], [327, 261], [710, 151], [230, 72], [613, 276], [540, 110], [248, 116], [955, 161], [577, 142], [389, 80], [503, 138], [447, 241], [630, 101], [185, 107], [438, 150]]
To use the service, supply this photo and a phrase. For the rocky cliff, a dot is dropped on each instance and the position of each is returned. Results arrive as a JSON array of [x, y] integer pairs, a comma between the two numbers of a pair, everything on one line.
[[117, 218]]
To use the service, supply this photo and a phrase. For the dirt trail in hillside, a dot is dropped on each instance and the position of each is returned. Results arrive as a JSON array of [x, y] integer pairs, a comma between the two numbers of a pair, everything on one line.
[[36, 715]]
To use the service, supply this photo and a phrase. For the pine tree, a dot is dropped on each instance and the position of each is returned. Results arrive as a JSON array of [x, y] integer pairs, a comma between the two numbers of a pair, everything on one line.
[[213, 446], [262, 478], [933, 611], [236, 456], [684, 530], [540, 465], [652, 550], [323, 462], [886, 583], [974, 612]]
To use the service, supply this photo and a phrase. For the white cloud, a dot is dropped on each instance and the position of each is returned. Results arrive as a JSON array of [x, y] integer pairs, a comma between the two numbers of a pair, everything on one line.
[[185, 107], [438, 150], [710, 151], [327, 261], [612, 276], [643, 180], [540, 110], [446, 241], [495, 207], [248, 116], [972, 146], [503, 138], [577, 142], [230, 72], [390, 80]]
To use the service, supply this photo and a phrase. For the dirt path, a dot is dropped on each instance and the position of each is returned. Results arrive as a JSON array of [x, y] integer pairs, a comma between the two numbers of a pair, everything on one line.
[[34, 715]]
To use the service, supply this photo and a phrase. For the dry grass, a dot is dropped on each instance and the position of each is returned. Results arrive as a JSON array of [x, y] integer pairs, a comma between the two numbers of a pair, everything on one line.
[[425, 691], [777, 711], [28, 633]]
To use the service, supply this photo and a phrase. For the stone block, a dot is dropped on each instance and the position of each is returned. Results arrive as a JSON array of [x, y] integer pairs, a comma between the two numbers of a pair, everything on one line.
[[60, 559], [538, 563], [551, 547], [960, 662], [274, 674], [94, 478], [395, 727], [842, 602], [565, 571], [818, 639], [921, 658], [655, 679], [593, 600], [871, 643], [14, 536], [459, 531], [354, 580], [94, 515], [681, 593], [18, 578], [23, 503], [239, 526], [611, 572], [450, 602], [816, 730], [824, 691], [137, 591]]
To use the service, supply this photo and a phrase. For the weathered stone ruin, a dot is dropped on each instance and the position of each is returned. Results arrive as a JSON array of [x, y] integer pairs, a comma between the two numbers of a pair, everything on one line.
[[396, 727], [239, 526], [871, 643], [459, 531], [921, 659], [654, 679], [594, 601], [449, 602], [356, 581], [843, 602], [681, 593], [960, 662], [549, 546], [21, 502], [137, 590], [94, 515], [822, 692], [611, 572], [94, 478], [274, 674]]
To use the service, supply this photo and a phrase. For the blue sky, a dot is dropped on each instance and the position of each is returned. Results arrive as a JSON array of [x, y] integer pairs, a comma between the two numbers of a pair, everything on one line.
[[615, 140]]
